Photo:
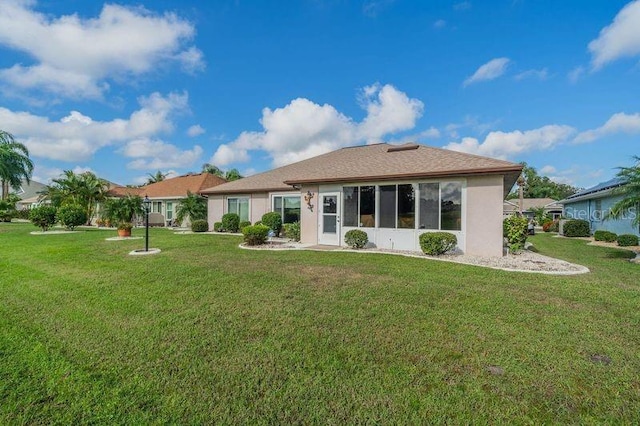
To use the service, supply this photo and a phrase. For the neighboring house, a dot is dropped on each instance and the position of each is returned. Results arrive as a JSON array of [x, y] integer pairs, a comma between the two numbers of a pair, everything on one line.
[[28, 193], [392, 192], [594, 203], [165, 195], [551, 207]]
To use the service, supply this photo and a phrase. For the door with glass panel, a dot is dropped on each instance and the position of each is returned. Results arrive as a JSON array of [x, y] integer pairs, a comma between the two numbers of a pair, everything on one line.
[[329, 232]]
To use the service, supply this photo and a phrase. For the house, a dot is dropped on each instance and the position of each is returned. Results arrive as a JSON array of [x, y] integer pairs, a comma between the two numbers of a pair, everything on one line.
[[392, 192], [28, 193], [551, 207], [594, 203], [165, 195]]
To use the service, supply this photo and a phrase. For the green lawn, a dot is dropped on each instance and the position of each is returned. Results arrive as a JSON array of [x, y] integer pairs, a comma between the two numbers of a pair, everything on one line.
[[208, 333]]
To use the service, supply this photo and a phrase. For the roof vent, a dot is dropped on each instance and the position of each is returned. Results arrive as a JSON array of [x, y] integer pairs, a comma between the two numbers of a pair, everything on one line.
[[404, 147]]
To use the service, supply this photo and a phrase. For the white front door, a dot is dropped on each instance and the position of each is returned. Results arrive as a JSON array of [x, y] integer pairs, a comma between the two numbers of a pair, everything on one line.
[[329, 227]]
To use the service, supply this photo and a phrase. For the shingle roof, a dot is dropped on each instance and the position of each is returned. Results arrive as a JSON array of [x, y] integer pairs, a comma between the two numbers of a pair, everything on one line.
[[173, 187], [529, 203], [373, 163]]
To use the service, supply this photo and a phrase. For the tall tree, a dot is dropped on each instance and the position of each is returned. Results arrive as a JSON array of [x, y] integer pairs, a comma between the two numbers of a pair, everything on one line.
[[537, 186], [84, 189], [157, 177], [630, 192], [194, 207], [232, 174], [15, 164], [214, 170]]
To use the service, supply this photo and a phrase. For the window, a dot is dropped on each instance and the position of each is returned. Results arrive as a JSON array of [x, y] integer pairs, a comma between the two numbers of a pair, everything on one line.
[[406, 207], [359, 206], [169, 211], [239, 206], [388, 206], [288, 207], [429, 205], [451, 206], [350, 206], [156, 207], [367, 206]]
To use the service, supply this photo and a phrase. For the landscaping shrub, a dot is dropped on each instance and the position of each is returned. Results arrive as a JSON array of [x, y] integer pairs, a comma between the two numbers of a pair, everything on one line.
[[231, 222], [292, 231], [22, 214], [255, 235], [7, 212], [437, 243], [244, 224], [515, 231], [43, 216], [626, 240], [606, 236], [551, 226], [356, 238], [72, 215], [273, 221], [576, 228], [217, 226], [200, 225]]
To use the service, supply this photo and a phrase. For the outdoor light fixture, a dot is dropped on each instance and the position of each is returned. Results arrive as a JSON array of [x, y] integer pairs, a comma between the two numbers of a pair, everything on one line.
[[147, 209]]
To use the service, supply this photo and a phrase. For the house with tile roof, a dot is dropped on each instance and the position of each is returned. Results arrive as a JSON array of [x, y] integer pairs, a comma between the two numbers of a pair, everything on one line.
[[392, 192], [165, 195], [592, 204]]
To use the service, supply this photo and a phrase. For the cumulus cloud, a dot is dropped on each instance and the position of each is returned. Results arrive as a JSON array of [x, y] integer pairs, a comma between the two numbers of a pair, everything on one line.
[[44, 174], [619, 39], [76, 57], [575, 74], [618, 123], [195, 130], [489, 71], [304, 129], [548, 169], [508, 144], [542, 74], [156, 154], [77, 137]]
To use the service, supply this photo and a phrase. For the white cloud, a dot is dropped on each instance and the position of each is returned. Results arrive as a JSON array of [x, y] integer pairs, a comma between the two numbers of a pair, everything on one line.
[[620, 39], [618, 123], [304, 129], [77, 137], [195, 130], [439, 24], [44, 174], [508, 144], [372, 8], [155, 155], [75, 57], [464, 5], [548, 169], [489, 71], [542, 74], [575, 74]]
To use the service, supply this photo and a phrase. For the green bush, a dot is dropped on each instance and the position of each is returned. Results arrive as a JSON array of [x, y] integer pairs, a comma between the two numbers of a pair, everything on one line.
[[273, 221], [356, 238], [515, 231], [7, 212], [607, 236], [551, 226], [217, 226], [258, 223], [43, 216], [200, 225], [437, 243], [231, 222], [626, 240], [255, 235], [244, 224], [22, 214], [576, 228], [292, 231], [72, 215]]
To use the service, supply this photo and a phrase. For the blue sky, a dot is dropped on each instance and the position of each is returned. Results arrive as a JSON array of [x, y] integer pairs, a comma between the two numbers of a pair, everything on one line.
[[125, 89]]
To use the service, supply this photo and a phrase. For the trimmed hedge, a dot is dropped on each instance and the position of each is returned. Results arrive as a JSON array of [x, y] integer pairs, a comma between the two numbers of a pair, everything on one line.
[[292, 231], [576, 228], [244, 224], [626, 240], [71, 215], [217, 226], [200, 225], [356, 238], [606, 236], [255, 235], [437, 243], [231, 222], [273, 221]]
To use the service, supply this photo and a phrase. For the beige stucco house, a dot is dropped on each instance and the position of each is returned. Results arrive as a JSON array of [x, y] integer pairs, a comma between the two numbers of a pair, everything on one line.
[[392, 192]]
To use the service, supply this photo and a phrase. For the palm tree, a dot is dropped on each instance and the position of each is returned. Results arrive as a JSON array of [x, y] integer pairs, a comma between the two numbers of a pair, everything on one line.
[[157, 177], [630, 192], [214, 170], [122, 210], [193, 207], [84, 189], [15, 164], [232, 174]]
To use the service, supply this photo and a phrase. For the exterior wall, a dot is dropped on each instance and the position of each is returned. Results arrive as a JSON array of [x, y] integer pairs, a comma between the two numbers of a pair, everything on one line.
[[484, 216], [258, 205], [309, 217], [586, 210], [215, 209]]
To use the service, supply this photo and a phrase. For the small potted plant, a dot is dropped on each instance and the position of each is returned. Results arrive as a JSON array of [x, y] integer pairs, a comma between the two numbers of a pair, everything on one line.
[[124, 229]]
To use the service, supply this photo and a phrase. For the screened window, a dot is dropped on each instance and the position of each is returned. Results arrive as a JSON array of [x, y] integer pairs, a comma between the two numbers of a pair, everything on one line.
[[239, 206], [388, 206], [429, 205], [451, 206], [367, 206], [288, 207], [350, 206], [169, 211], [406, 207]]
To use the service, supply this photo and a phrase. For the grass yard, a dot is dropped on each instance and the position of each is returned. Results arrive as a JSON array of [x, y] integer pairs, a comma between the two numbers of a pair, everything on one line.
[[207, 333]]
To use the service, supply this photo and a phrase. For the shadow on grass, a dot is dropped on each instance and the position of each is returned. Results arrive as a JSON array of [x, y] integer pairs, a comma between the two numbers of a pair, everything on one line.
[[619, 254]]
